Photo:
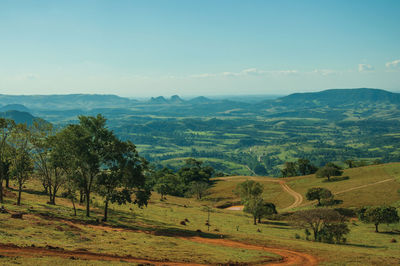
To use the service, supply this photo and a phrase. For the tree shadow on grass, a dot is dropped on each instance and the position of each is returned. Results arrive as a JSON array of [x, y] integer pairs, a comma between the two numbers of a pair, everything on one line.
[[275, 223], [362, 245], [29, 191], [161, 229], [337, 179], [396, 232]]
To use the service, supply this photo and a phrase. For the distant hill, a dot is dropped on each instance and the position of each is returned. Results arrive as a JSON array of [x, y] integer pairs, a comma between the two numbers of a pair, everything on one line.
[[18, 117], [158, 100], [200, 99], [336, 97], [176, 99], [66, 102], [14, 107]]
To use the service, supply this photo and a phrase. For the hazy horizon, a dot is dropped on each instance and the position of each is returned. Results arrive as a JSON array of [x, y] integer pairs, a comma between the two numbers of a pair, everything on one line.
[[153, 48]]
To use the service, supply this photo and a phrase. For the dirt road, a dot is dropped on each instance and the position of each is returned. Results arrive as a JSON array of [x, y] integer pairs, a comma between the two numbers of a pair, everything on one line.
[[298, 198]]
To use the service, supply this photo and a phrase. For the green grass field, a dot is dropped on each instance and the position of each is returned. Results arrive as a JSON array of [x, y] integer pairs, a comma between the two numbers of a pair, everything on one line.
[[156, 234]]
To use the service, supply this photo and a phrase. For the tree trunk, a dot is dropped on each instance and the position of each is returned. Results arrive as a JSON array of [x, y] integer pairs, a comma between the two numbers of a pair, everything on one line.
[[73, 205], [87, 203], [255, 220], [315, 230], [1, 190], [259, 219], [7, 182], [319, 202], [376, 228], [105, 210], [19, 194], [80, 196]]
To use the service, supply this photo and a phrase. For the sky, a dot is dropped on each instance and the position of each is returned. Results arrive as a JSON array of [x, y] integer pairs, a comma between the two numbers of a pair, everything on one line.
[[198, 47]]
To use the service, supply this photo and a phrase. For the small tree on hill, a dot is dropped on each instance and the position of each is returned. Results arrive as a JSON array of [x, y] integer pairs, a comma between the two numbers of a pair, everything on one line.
[[6, 126], [251, 194], [305, 167], [199, 189], [194, 171], [329, 170], [317, 220], [379, 215], [21, 162], [318, 193], [289, 169], [268, 209]]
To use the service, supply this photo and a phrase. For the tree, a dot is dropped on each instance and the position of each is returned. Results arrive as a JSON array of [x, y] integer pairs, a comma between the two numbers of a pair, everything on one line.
[[6, 126], [122, 173], [254, 206], [169, 184], [195, 171], [317, 219], [350, 163], [334, 232], [379, 215], [86, 143], [260, 170], [268, 209], [199, 189], [305, 167], [318, 193], [289, 169], [250, 193], [328, 171], [46, 157], [21, 163]]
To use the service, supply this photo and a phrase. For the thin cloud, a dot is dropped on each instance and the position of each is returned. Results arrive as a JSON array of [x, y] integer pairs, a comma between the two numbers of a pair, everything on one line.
[[245, 72], [393, 65], [365, 67]]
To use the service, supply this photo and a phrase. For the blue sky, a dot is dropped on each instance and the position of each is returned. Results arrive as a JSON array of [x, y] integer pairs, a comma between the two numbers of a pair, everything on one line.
[[149, 48]]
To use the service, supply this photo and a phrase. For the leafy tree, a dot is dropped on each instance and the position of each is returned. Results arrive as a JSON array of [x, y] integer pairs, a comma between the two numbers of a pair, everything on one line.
[[86, 143], [334, 232], [6, 126], [329, 170], [318, 193], [305, 167], [199, 189], [289, 169], [317, 219], [169, 184], [260, 170], [268, 209], [379, 215], [21, 162], [250, 193], [122, 173], [46, 157], [195, 171], [300, 167], [350, 163], [254, 206]]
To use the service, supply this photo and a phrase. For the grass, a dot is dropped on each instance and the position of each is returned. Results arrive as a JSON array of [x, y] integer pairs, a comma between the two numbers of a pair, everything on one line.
[[155, 232]]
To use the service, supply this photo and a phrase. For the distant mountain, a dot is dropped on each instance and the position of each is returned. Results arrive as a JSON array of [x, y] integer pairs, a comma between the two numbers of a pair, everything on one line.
[[158, 100], [18, 117], [335, 97], [200, 99], [68, 101], [14, 107], [176, 99]]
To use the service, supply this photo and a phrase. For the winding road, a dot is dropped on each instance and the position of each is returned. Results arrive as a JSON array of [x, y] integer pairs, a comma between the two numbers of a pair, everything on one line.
[[298, 198]]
